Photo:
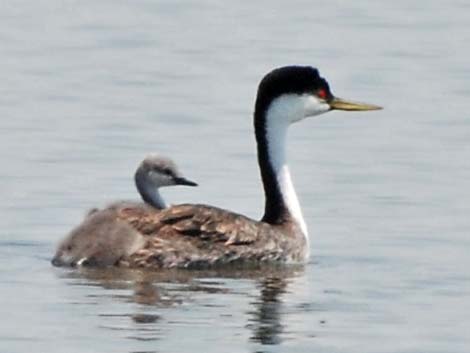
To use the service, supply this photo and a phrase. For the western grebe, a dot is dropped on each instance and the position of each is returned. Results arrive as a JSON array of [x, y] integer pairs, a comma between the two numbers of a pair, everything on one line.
[[200, 236], [103, 238]]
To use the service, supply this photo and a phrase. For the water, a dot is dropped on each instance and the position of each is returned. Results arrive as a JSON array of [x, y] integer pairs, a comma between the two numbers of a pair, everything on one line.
[[88, 88]]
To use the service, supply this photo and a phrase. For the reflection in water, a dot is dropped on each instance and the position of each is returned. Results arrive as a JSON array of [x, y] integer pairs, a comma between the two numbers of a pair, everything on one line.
[[171, 288], [143, 285], [146, 293], [267, 317]]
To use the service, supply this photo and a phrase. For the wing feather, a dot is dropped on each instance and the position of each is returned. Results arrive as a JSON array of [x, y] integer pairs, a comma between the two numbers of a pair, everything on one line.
[[196, 221]]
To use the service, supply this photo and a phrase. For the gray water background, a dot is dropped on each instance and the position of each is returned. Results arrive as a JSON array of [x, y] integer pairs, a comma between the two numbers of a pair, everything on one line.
[[88, 88]]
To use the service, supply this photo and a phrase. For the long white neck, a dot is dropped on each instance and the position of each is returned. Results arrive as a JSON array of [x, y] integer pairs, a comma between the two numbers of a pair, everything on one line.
[[278, 118]]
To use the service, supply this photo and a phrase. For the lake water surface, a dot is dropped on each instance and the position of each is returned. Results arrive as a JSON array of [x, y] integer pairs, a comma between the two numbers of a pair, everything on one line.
[[89, 88]]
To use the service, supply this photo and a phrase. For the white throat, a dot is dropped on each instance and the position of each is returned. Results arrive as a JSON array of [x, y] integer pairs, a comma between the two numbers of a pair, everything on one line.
[[157, 199], [279, 116]]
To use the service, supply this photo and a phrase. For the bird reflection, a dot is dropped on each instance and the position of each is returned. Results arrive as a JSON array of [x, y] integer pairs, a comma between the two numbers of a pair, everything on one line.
[[266, 318], [146, 288], [165, 289]]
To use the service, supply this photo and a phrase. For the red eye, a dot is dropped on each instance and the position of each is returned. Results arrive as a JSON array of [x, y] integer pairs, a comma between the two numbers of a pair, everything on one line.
[[321, 93]]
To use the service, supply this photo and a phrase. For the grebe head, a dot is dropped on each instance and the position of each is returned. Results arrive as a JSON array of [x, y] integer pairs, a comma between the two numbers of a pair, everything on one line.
[[297, 92], [287, 95], [161, 171]]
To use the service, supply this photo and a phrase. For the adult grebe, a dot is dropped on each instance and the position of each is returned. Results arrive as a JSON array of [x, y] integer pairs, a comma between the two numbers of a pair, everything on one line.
[[103, 238], [200, 236]]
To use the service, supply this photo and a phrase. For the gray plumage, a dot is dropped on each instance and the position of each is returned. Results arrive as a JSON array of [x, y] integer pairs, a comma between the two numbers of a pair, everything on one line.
[[104, 237], [100, 240]]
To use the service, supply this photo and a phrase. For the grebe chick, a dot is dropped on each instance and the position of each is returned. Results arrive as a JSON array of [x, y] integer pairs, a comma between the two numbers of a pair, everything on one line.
[[103, 238], [153, 173]]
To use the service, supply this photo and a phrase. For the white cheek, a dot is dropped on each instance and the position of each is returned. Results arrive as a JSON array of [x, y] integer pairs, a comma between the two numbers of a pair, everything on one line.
[[290, 108], [313, 105], [286, 109]]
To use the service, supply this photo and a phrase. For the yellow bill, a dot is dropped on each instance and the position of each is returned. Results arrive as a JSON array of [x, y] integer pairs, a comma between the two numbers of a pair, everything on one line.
[[342, 104]]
